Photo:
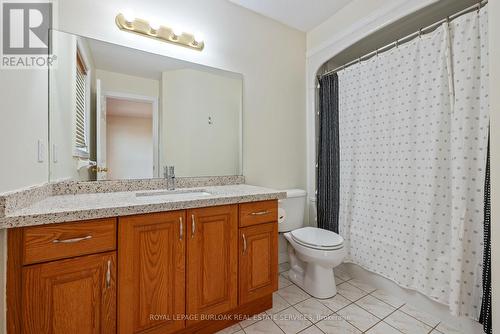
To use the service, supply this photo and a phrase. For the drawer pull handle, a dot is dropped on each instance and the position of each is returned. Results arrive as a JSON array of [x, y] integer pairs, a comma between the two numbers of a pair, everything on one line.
[[181, 228], [260, 213], [193, 226], [108, 275], [71, 241], [244, 243]]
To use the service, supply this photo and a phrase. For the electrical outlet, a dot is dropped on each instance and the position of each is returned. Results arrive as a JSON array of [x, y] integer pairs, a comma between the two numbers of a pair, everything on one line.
[[41, 151]]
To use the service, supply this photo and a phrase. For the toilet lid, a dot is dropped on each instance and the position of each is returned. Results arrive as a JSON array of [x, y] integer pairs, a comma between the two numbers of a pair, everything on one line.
[[318, 238]]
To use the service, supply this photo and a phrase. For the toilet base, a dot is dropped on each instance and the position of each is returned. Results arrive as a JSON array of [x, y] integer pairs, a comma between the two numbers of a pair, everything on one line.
[[316, 280]]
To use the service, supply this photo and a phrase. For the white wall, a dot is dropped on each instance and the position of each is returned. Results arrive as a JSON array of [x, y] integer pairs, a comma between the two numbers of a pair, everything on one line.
[[23, 121], [129, 147], [189, 142], [122, 83], [63, 105], [494, 40], [269, 55]]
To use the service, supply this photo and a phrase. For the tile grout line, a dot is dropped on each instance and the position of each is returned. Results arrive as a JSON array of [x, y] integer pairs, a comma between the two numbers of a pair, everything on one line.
[[370, 294], [411, 316], [272, 316], [435, 328], [355, 303], [397, 309], [350, 303], [382, 320], [305, 329]]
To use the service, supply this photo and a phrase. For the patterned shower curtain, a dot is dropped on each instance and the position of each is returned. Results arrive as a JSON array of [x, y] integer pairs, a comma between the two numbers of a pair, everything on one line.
[[413, 136]]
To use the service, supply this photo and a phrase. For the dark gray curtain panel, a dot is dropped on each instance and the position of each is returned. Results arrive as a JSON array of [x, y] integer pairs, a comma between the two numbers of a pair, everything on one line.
[[486, 311], [328, 154]]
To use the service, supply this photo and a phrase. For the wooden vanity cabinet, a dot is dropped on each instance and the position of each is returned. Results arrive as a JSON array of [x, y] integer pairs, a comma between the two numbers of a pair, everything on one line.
[[169, 272], [152, 272], [258, 250], [59, 241], [212, 261], [70, 296], [258, 256], [61, 278], [170, 266]]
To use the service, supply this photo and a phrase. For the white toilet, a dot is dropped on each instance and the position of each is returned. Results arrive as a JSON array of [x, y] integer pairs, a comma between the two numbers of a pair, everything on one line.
[[313, 252]]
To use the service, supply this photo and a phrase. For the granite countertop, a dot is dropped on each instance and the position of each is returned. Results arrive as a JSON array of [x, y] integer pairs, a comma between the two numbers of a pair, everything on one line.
[[74, 207]]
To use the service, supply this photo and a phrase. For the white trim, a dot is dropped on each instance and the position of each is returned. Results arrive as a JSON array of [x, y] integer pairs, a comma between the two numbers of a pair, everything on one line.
[[81, 49], [240, 125], [156, 127], [80, 153], [317, 56], [374, 18]]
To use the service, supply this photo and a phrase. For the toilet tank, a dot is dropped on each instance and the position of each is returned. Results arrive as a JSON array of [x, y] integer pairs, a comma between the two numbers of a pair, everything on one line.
[[291, 210]]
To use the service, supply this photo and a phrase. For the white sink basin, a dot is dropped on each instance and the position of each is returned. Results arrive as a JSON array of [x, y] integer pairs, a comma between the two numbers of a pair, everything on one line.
[[172, 194]]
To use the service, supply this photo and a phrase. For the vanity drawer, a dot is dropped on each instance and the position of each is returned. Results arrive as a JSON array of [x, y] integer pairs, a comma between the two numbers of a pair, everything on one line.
[[59, 241], [258, 213]]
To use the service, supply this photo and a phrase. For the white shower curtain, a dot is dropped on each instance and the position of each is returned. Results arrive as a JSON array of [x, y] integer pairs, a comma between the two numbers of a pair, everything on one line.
[[413, 136]]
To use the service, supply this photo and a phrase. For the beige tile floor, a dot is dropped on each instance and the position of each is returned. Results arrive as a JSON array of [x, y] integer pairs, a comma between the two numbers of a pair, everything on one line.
[[357, 308]]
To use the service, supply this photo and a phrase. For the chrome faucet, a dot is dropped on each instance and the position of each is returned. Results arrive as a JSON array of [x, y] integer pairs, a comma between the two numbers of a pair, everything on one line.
[[169, 175]]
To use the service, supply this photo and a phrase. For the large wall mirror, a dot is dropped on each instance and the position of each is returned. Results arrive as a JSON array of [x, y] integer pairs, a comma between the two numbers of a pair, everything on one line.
[[121, 113]]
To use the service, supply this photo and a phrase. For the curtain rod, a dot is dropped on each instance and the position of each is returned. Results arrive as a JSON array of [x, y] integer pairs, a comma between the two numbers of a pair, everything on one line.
[[408, 38]]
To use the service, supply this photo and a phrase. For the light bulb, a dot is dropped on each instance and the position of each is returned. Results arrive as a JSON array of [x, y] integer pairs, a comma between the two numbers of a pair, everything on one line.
[[154, 25], [198, 37], [129, 16], [177, 31]]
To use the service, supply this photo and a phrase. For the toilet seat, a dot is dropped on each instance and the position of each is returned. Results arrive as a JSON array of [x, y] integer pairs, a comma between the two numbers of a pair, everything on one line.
[[317, 238]]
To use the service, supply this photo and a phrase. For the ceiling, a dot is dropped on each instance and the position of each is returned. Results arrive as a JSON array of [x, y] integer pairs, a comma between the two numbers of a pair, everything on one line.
[[125, 60], [299, 14], [120, 59], [128, 108]]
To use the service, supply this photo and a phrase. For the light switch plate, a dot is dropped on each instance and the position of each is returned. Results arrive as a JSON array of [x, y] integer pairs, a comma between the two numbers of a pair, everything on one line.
[[54, 153], [41, 151]]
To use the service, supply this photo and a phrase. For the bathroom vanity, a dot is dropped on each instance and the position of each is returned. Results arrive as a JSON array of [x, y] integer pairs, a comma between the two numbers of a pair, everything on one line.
[[168, 264], [105, 246]]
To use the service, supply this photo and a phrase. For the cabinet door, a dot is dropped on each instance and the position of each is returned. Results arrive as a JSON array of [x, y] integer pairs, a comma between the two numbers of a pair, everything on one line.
[[212, 280], [258, 261], [151, 273], [70, 296]]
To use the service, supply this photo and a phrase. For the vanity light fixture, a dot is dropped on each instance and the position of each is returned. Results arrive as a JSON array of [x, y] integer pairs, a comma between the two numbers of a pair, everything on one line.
[[160, 32]]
